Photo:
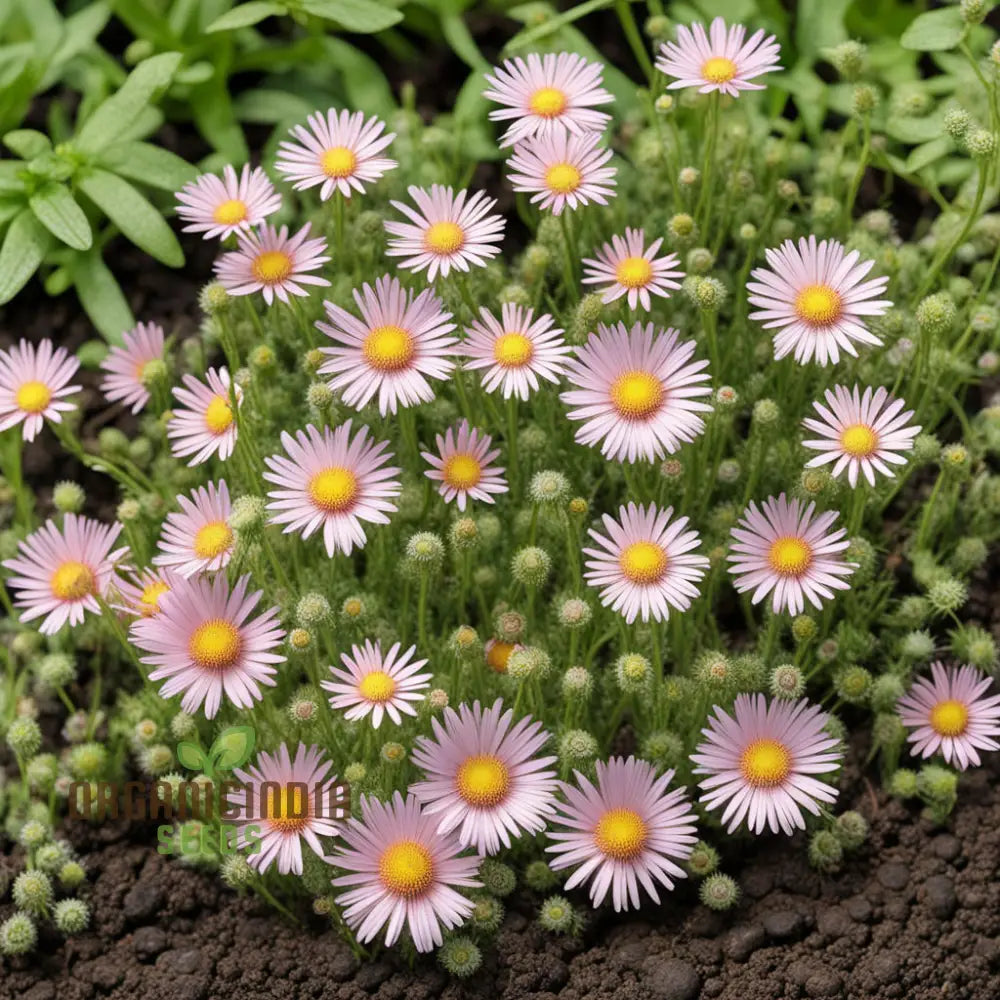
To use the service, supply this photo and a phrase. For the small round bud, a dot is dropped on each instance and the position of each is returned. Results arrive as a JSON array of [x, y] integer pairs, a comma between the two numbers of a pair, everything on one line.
[[51, 857], [183, 726], [87, 761], [531, 566], [974, 11], [497, 878], [825, 851], [980, 143], [935, 314], [787, 681], [903, 784], [747, 232], [42, 772], [888, 731], [303, 710], [235, 871], [658, 27], [557, 915], [663, 748], [719, 892], [886, 690], [247, 514], [33, 834], [804, 628], [464, 534], [787, 190], [33, 892], [713, 669], [633, 673], [68, 497], [578, 507], [700, 260], [848, 59], [319, 397], [664, 104], [437, 699], [703, 859], [71, 875], [954, 459], [577, 684], [682, 230], [312, 609], [851, 829], [709, 294], [852, 684], [765, 412], [510, 626], [56, 670], [425, 550], [18, 935], [71, 916], [24, 737], [935, 785], [917, 645], [947, 595], [864, 99], [539, 877], [355, 773], [728, 471], [574, 613], [577, 748], [300, 639], [460, 956], [214, 299], [548, 487], [528, 661], [689, 176]]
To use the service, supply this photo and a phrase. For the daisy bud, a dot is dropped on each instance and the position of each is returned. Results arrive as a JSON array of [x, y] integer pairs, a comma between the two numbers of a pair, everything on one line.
[[747, 232], [460, 956], [633, 673], [355, 774], [437, 699], [663, 748], [303, 710], [703, 859], [322, 906], [682, 230], [26, 644], [145, 731], [51, 857], [112, 443], [585, 317], [975, 646], [935, 314], [658, 27], [68, 497], [864, 99], [689, 176], [726, 397], [719, 892], [804, 628], [787, 681], [535, 263], [425, 551], [393, 753], [312, 360], [887, 689], [531, 566], [17, 935], [497, 878], [578, 507], [947, 595], [728, 471], [903, 784], [56, 670], [936, 785], [24, 738], [71, 916], [765, 412], [235, 871], [574, 613], [888, 731], [672, 469], [825, 209], [42, 772], [700, 260], [539, 877], [510, 626], [664, 104], [848, 59], [851, 829], [548, 487], [577, 684], [515, 295], [713, 669], [852, 684], [487, 912], [214, 299], [74, 729], [312, 609], [157, 759], [33, 834], [577, 748], [528, 661], [974, 11], [557, 915], [33, 892], [464, 534], [183, 726], [825, 851], [300, 640], [485, 577], [709, 294]]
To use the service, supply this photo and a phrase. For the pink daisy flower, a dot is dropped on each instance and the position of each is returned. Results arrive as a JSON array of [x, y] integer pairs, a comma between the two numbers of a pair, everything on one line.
[[627, 832], [60, 574], [376, 684], [554, 92], [627, 267], [33, 384], [286, 801], [483, 778], [205, 424], [462, 466], [815, 296], [724, 59], [339, 150], [231, 204], [139, 593], [126, 365], [561, 169], [329, 481], [645, 566], [204, 645], [515, 351], [861, 432], [197, 538], [949, 714], [781, 547], [403, 873], [760, 762], [637, 392], [270, 261], [446, 231], [399, 343]]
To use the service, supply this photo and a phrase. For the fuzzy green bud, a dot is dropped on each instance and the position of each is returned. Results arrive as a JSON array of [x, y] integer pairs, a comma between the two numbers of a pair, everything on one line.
[[425, 551], [974, 11], [33, 892], [633, 673], [825, 851], [852, 684], [71, 875], [68, 497], [864, 99], [935, 314], [886, 690], [848, 59], [24, 737], [530, 566], [235, 871], [464, 534], [574, 613], [71, 916], [577, 684], [851, 829], [577, 747], [56, 670], [719, 892], [460, 956], [539, 877], [682, 230], [787, 681], [903, 784], [947, 595], [556, 915], [247, 515], [549, 487], [663, 748], [703, 860], [497, 878], [17, 935], [312, 609], [804, 628]]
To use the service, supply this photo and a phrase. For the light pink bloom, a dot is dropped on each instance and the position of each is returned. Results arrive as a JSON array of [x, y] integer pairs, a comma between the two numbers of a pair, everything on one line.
[[483, 778], [636, 392], [329, 481], [273, 263], [723, 59], [138, 593], [561, 169], [378, 684], [204, 425], [286, 801], [627, 832], [950, 714], [515, 351], [399, 343], [815, 296], [760, 763], [645, 565], [627, 267], [860, 432], [197, 538], [230, 204], [554, 92], [126, 365], [60, 574], [339, 150], [204, 644], [403, 873], [462, 466], [33, 384]]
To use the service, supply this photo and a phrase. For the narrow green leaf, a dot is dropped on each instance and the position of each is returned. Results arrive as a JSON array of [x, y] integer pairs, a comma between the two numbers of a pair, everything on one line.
[[458, 36], [550, 24], [913, 130], [101, 297], [928, 153], [363, 80], [935, 31], [27, 143], [819, 24], [24, 246], [58, 211], [245, 15], [149, 165], [363, 16], [271, 107], [216, 120], [11, 176], [81, 30]]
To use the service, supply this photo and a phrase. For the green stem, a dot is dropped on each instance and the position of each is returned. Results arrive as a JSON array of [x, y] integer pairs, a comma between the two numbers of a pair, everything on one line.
[[624, 10], [708, 164]]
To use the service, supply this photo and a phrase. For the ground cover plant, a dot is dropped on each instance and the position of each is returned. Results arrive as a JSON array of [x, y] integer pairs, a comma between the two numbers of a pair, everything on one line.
[[543, 539]]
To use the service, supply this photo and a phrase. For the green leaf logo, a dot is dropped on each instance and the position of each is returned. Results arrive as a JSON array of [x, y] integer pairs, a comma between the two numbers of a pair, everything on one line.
[[192, 756], [233, 747]]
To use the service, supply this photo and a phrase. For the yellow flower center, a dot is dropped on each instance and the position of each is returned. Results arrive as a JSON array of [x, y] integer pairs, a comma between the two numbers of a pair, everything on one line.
[[33, 397], [548, 102], [859, 440], [338, 162], [149, 602], [789, 556], [563, 178], [498, 655], [218, 415], [334, 489], [637, 395], [444, 238], [377, 686], [272, 267], [483, 780], [512, 350], [287, 808], [634, 272], [229, 213], [718, 69], [949, 718], [212, 540], [406, 868], [818, 305], [765, 763], [643, 562], [388, 348], [73, 581], [620, 834], [462, 472], [215, 644], [352, 607]]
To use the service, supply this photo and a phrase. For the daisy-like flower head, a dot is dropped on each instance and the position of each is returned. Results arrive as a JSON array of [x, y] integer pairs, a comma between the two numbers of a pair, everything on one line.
[[402, 872], [462, 466], [445, 231], [205, 424], [637, 392], [340, 150], [231, 204], [33, 384], [554, 92], [483, 778], [814, 295], [399, 342], [328, 480], [287, 801], [760, 763], [626, 832], [949, 713], [197, 538], [61, 573], [273, 263], [721, 59], [515, 351], [138, 594], [645, 564], [861, 432], [204, 644], [377, 684], [561, 169], [126, 366], [626, 266], [782, 548]]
